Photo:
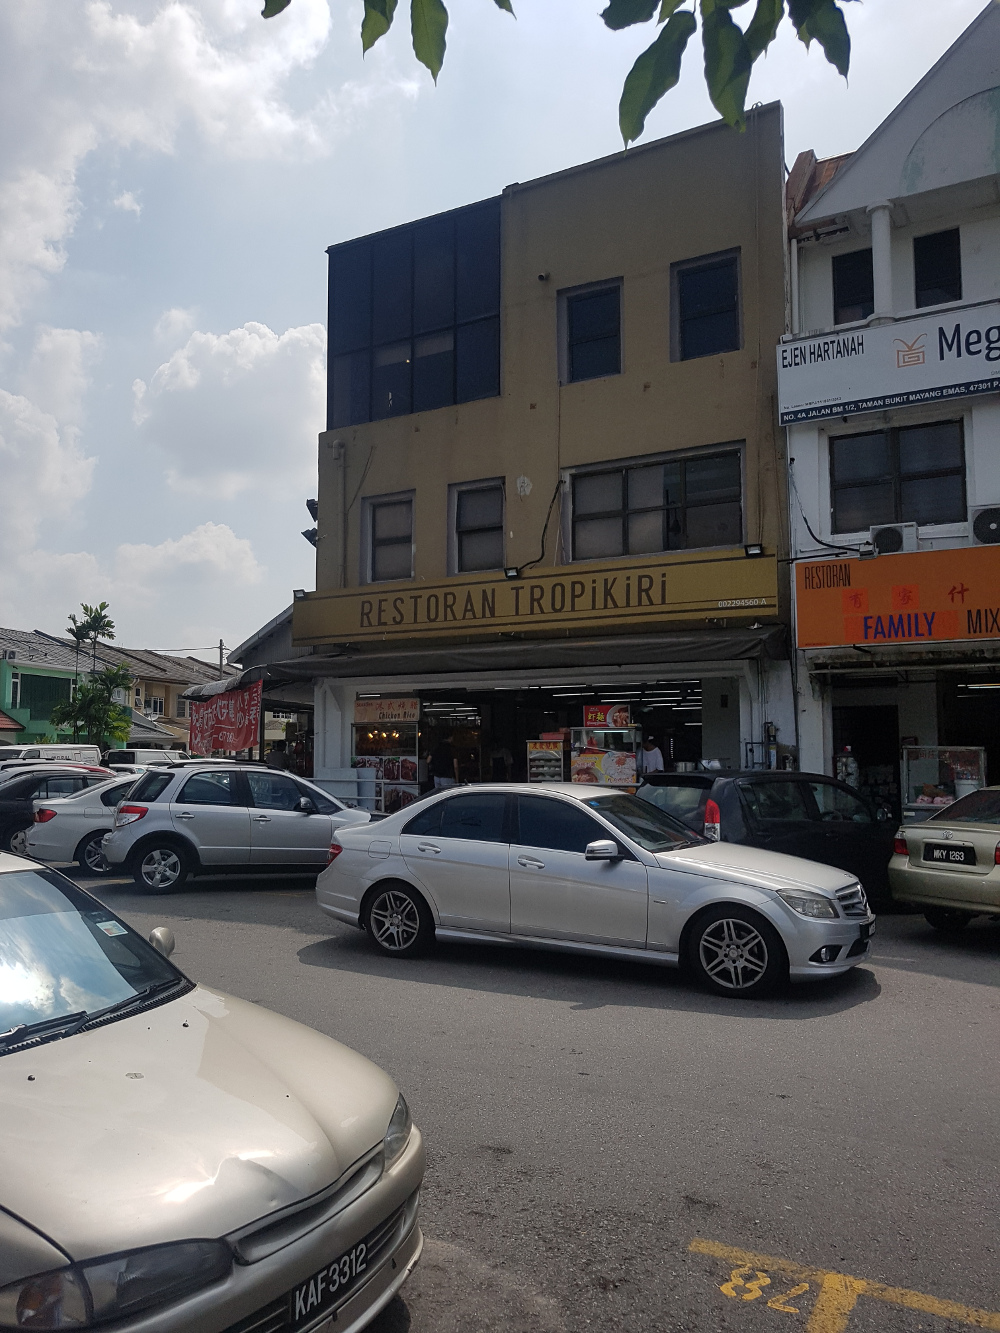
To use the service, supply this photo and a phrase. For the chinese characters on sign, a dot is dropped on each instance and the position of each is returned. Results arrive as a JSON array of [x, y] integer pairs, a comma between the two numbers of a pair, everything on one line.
[[228, 721], [370, 712]]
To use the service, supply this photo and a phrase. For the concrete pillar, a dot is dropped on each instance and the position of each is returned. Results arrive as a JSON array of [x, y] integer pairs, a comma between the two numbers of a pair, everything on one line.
[[881, 220], [815, 722]]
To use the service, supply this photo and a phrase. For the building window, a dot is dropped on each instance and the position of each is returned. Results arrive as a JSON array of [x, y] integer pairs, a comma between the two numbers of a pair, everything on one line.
[[706, 306], [181, 708], [39, 694], [390, 538], [477, 523], [154, 705], [853, 287], [669, 505], [415, 317], [593, 332], [910, 474], [937, 268], [15, 690]]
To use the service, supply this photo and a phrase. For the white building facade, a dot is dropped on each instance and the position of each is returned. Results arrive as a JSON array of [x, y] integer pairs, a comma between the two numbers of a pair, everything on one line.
[[889, 388]]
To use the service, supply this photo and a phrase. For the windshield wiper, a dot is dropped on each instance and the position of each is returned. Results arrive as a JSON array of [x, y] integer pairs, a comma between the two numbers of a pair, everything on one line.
[[120, 1006], [22, 1032]]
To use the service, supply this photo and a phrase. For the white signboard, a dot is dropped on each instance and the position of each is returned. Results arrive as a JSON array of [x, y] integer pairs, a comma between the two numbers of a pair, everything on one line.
[[892, 365]]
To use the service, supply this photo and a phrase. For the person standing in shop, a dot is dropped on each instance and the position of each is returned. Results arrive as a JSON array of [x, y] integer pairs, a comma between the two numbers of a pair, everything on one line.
[[444, 765], [649, 757]]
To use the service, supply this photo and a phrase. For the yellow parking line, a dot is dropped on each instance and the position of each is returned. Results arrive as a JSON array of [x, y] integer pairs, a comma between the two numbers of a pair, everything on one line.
[[839, 1292]]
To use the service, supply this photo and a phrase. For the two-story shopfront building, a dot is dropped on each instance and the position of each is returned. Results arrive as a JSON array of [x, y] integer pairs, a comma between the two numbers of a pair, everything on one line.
[[889, 386], [552, 477]]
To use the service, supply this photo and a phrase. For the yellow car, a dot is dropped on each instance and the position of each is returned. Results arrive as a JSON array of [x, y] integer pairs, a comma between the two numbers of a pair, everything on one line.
[[949, 866]]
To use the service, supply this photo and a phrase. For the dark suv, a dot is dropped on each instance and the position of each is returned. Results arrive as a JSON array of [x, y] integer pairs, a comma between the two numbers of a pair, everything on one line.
[[801, 814]]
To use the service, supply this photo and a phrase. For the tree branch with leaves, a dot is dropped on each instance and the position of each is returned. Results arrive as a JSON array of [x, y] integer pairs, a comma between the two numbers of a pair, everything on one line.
[[729, 51], [93, 709]]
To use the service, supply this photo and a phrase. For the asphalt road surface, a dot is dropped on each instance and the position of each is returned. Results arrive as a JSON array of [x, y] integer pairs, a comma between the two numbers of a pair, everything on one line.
[[611, 1148]]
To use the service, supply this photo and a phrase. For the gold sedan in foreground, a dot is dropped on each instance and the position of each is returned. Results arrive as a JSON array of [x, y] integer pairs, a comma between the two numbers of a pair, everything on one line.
[[176, 1159], [949, 866]]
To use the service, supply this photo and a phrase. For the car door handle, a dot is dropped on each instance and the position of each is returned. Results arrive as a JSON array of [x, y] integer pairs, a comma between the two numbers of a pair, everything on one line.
[[185, 814], [427, 847], [262, 819], [530, 861]]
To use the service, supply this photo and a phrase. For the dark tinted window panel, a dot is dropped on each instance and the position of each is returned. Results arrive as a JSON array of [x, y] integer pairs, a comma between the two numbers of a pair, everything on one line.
[[853, 287], [433, 371], [932, 499], [594, 538], [714, 477], [857, 508], [474, 818], [477, 245], [391, 381], [597, 493], [427, 822], [350, 382], [556, 825], [433, 276], [931, 448], [715, 525], [937, 268], [480, 550], [477, 360], [914, 474], [392, 286], [350, 298], [594, 331], [861, 457], [480, 508], [708, 309]]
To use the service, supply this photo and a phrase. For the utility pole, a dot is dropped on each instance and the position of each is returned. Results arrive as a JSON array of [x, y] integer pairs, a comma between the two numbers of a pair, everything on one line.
[[222, 649]]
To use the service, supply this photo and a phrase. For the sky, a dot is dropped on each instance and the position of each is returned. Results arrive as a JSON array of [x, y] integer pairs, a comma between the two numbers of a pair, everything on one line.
[[170, 177]]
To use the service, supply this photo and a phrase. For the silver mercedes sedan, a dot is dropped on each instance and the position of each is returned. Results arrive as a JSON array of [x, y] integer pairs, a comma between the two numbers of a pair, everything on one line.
[[174, 1159], [574, 866]]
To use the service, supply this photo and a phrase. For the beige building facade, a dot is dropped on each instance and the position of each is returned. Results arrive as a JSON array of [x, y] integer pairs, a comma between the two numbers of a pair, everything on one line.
[[553, 477]]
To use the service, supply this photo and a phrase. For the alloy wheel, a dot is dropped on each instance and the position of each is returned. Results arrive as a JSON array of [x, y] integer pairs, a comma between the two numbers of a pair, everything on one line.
[[395, 921], [93, 856], [19, 842], [733, 953], [161, 868]]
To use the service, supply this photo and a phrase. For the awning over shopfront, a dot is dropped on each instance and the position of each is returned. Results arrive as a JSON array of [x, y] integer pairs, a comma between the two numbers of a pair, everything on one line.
[[281, 690], [763, 642]]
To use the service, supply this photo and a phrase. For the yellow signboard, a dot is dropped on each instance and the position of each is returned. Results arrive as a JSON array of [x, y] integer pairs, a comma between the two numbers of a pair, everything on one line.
[[582, 597]]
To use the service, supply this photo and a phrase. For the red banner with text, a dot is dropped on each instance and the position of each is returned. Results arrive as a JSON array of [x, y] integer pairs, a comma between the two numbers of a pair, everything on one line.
[[228, 721]]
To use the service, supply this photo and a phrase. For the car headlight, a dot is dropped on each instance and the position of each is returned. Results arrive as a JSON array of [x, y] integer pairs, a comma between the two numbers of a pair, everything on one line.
[[100, 1290], [807, 904], [397, 1136]]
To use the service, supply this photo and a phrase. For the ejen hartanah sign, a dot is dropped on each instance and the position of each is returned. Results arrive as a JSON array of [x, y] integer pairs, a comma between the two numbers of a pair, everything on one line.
[[726, 584], [913, 599], [227, 721], [917, 360]]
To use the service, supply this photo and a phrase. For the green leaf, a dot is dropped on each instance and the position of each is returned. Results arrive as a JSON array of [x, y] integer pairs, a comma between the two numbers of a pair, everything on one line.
[[761, 30], [505, 5], [428, 24], [666, 9], [727, 63], [623, 13], [653, 74], [272, 7], [823, 21], [376, 22]]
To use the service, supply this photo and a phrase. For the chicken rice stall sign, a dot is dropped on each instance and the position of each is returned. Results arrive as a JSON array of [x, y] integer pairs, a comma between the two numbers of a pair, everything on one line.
[[228, 721]]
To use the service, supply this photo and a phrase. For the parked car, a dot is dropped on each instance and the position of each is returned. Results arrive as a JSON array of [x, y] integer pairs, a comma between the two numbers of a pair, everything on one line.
[[205, 817], [567, 866], [70, 750], [19, 792], [948, 866], [173, 1159], [144, 757], [800, 814], [72, 828]]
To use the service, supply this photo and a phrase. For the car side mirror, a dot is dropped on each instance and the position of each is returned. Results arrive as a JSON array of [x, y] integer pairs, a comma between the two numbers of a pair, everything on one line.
[[883, 813], [305, 806], [162, 940], [603, 849]]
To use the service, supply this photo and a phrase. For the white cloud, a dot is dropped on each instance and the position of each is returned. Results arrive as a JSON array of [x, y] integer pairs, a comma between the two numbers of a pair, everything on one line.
[[45, 473], [55, 377], [128, 203], [175, 324], [238, 410]]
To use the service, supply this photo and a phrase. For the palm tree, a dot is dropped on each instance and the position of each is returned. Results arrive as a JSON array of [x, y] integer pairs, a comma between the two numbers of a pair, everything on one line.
[[79, 632], [98, 625]]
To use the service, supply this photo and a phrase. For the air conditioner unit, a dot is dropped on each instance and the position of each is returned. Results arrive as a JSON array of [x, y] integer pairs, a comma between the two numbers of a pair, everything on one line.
[[892, 538], [986, 526]]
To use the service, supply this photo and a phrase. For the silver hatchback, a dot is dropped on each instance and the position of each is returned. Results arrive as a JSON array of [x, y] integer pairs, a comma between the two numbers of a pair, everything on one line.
[[187, 819]]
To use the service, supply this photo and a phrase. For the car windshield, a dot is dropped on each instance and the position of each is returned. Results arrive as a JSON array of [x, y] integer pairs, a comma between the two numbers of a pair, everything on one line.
[[979, 807], [64, 956], [652, 828], [684, 802]]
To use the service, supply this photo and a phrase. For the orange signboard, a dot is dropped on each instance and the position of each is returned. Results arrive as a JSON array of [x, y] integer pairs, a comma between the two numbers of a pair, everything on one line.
[[925, 597]]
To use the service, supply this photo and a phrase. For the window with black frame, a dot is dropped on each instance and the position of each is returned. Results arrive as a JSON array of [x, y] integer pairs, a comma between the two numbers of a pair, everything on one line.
[[414, 317], [937, 268], [391, 534], [853, 286], [706, 306], [478, 527], [669, 505], [907, 474], [593, 333]]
